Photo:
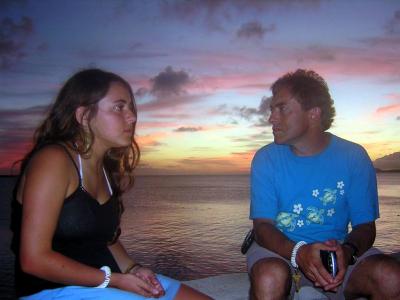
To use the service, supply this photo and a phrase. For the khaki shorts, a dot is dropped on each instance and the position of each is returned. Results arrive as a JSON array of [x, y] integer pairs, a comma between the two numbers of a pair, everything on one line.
[[257, 252]]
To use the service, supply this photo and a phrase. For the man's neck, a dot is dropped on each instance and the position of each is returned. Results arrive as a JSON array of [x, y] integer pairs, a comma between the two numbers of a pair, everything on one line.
[[315, 144]]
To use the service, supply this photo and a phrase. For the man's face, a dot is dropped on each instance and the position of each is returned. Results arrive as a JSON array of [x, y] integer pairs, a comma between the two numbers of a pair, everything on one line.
[[290, 123]]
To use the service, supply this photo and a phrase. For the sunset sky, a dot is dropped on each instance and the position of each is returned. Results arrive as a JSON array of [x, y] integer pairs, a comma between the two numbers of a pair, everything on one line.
[[201, 70]]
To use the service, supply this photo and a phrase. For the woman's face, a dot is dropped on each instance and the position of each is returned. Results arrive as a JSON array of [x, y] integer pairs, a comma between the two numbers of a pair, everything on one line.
[[114, 123]]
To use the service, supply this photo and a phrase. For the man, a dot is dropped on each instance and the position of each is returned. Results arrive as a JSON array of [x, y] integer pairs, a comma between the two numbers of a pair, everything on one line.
[[306, 188]]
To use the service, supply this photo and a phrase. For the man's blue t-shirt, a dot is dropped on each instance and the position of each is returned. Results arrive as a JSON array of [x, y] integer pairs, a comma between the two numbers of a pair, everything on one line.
[[314, 198]]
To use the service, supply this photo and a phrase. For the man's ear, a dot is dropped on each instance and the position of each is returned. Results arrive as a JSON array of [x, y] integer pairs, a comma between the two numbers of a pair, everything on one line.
[[81, 115], [315, 113]]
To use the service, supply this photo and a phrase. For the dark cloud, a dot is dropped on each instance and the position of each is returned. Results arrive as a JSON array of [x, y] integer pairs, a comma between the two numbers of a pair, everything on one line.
[[170, 115], [17, 125], [13, 38], [398, 118], [123, 54], [170, 82], [19, 94], [42, 47], [168, 102], [16, 131], [141, 92], [262, 122], [151, 147], [207, 11], [168, 89], [13, 117], [386, 42], [222, 109], [264, 107], [254, 30], [245, 112], [371, 132], [391, 40], [5, 4], [188, 129], [260, 114], [393, 26], [255, 140], [214, 13], [122, 8], [316, 53], [192, 161]]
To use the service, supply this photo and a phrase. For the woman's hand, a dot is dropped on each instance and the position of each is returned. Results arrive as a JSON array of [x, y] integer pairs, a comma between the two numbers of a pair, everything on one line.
[[149, 277], [133, 283]]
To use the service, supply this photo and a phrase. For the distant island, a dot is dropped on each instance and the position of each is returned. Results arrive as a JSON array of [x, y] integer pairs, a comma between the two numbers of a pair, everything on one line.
[[387, 171], [388, 163]]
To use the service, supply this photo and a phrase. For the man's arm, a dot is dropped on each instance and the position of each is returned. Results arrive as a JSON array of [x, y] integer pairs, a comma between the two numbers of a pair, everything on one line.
[[358, 241], [361, 238], [308, 256], [271, 238]]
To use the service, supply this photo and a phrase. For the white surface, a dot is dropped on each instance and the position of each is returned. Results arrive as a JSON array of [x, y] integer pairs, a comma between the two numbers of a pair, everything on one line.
[[223, 287]]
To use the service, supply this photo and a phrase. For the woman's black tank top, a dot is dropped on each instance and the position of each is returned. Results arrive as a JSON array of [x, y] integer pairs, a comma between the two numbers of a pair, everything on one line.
[[85, 228]]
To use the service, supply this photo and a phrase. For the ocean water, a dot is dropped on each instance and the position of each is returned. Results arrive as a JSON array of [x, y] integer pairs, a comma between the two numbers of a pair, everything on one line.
[[190, 227], [193, 226]]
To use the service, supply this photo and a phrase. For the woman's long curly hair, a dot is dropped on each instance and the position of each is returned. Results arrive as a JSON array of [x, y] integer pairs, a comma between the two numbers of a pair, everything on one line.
[[86, 88]]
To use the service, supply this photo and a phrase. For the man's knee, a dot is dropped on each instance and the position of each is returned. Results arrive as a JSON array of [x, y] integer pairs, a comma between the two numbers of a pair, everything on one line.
[[377, 274], [270, 276], [386, 274]]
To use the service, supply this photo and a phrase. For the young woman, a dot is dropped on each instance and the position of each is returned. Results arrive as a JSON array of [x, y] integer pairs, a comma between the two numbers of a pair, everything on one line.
[[67, 207]]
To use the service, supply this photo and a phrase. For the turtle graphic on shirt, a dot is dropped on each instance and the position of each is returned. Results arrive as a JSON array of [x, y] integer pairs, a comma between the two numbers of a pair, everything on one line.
[[315, 215], [329, 197], [286, 220]]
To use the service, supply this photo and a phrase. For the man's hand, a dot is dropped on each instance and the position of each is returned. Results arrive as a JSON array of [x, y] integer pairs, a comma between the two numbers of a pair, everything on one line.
[[309, 260], [342, 256]]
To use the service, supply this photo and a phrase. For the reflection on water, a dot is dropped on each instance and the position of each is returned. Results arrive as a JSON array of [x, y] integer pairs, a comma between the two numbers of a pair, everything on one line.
[[191, 230], [192, 226]]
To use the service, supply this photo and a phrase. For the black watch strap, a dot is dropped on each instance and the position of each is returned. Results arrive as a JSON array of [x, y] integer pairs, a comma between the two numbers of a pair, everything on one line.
[[354, 253]]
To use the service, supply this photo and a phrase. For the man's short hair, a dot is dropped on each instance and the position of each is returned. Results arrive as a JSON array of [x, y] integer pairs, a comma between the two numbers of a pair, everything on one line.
[[310, 90]]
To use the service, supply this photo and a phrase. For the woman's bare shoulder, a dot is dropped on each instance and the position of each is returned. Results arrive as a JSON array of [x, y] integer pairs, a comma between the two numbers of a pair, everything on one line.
[[54, 156], [50, 165]]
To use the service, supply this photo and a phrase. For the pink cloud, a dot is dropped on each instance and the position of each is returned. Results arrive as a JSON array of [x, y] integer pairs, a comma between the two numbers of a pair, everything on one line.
[[234, 163], [394, 96], [249, 81], [154, 125], [361, 62], [213, 165], [11, 154], [151, 142], [169, 102], [393, 108], [213, 14]]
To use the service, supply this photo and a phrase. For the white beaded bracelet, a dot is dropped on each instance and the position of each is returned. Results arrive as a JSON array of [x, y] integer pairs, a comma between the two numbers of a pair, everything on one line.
[[107, 277], [294, 253]]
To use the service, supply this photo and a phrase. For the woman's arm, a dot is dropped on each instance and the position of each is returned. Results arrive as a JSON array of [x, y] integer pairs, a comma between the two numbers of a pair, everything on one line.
[[49, 179], [124, 261], [128, 265]]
